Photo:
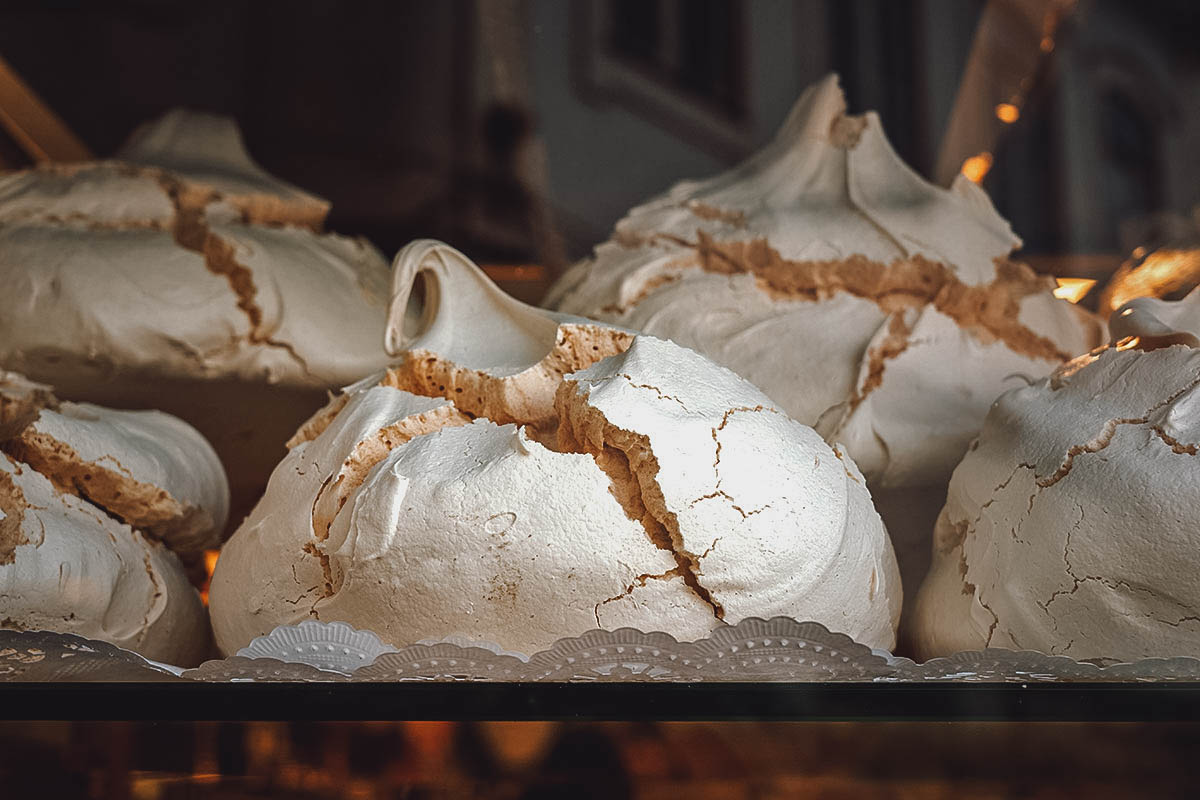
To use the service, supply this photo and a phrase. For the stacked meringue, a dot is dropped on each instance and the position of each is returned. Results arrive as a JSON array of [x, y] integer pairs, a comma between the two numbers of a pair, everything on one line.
[[181, 276], [1072, 526], [97, 508], [520, 476], [880, 309]]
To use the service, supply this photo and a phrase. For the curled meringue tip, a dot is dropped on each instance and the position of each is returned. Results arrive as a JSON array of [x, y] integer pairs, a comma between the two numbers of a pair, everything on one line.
[[1158, 322], [462, 315]]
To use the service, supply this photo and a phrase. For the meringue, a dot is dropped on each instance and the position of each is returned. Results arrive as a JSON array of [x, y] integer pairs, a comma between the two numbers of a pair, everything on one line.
[[520, 476], [181, 276], [879, 309], [1070, 527], [94, 506]]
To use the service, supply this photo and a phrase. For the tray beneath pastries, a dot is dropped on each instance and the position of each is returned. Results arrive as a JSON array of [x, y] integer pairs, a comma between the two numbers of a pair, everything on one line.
[[777, 668]]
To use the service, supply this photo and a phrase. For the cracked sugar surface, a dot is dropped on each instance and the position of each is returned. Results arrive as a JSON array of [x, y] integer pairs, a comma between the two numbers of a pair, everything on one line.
[[21, 400], [533, 540], [545, 541], [797, 532], [1086, 547], [807, 257], [98, 225], [149, 469]]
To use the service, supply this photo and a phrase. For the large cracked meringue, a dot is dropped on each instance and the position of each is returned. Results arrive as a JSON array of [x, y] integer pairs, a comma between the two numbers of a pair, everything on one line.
[[1072, 525], [520, 476], [181, 276], [879, 309], [95, 505]]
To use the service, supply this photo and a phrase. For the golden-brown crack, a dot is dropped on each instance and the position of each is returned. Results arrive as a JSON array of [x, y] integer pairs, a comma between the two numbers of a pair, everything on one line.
[[369, 452], [254, 208], [704, 211], [221, 259], [526, 398], [895, 343], [329, 589], [1182, 448], [990, 311], [143, 506], [191, 232], [20, 403], [632, 469], [13, 505]]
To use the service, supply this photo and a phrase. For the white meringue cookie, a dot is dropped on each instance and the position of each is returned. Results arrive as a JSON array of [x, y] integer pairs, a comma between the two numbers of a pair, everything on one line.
[[149, 469], [648, 487], [66, 566], [209, 150], [90, 501], [864, 301], [1070, 527], [149, 282]]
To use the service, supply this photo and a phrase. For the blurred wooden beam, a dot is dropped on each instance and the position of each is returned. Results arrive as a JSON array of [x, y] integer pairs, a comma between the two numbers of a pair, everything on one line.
[[33, 126], [1012, 38]]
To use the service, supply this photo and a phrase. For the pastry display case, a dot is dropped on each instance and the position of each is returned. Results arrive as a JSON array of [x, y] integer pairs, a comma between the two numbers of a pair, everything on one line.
[[819, 363]]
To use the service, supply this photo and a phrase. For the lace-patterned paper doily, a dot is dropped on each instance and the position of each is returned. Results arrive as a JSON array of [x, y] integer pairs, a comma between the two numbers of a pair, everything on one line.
[[331, 646], [778, 649], [45, 656]]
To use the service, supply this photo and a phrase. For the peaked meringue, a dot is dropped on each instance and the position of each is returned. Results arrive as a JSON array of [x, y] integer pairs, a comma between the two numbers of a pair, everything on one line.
[[181, 276], [521, 476], [866, 302]]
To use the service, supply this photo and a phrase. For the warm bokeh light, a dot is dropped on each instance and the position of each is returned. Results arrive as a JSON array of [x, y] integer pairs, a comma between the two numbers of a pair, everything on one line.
[[1073, 289], [210, 563], [1164, 272], [1007, 112], [1129, 343], [1047, 44], [976, 167], [514, 272]]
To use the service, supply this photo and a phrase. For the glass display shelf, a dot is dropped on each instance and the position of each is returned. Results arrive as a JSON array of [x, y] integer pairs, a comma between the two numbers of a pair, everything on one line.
[[1100, 702]]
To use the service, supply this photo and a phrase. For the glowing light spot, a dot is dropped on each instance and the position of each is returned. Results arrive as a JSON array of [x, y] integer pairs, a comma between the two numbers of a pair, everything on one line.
[[1008, 113], [1047, 44], [210, 563], [1073, 289], [1164, 273], [976, 167], [1129, 343]]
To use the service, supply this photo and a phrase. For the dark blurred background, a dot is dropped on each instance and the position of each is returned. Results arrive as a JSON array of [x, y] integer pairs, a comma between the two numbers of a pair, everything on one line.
[[598, 761], [521, 130]]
